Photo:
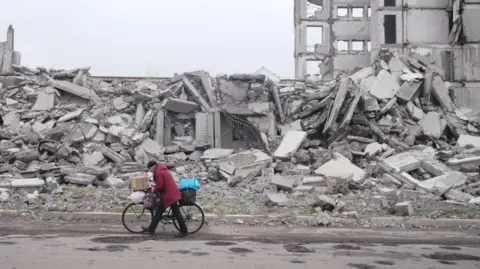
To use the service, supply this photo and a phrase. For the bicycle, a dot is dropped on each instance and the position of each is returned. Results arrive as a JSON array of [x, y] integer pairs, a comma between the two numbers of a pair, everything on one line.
[[140, 211]]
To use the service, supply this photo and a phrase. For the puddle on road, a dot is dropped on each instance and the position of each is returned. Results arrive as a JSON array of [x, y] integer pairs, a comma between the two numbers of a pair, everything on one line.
[[220, 243], [361, 266], [447, 262], [199, 254], [181, 251], [450, 256], [385, 262], [451, 247], [297, 261], [240, 250], [6, 243], [347, 247], [109, 248], [297, 249]]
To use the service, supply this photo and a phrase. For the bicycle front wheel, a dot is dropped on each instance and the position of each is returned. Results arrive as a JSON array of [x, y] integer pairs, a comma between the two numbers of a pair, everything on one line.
[[135, 216], [193, 216]]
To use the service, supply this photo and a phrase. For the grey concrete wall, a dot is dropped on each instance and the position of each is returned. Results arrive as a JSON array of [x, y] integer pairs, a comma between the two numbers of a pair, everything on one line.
[[359, 30], [471, 22], [467, 62], [427, 26], [349, 61]]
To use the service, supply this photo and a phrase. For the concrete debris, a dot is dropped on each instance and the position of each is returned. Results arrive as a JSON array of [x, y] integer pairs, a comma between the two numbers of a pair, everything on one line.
[[388, 134]]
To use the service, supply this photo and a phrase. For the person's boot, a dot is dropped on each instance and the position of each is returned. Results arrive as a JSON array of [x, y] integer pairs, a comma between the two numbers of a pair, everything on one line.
[[148, 230], [181, 234]]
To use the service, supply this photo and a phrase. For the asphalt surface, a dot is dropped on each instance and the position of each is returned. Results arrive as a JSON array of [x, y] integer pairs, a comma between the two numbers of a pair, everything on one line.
[[74, 245]]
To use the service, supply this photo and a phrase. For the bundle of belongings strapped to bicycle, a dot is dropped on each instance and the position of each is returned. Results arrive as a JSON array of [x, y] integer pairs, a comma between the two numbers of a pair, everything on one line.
[[141, 183]]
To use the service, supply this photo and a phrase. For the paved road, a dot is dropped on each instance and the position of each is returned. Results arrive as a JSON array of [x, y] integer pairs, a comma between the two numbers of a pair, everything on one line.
[[59, 245]]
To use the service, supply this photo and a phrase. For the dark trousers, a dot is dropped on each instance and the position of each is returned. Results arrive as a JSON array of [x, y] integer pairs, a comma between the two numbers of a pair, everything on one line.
[[160, 209]]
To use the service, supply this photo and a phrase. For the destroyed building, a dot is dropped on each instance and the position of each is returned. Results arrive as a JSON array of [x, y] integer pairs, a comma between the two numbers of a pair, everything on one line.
[[354, 32], [381, 136]]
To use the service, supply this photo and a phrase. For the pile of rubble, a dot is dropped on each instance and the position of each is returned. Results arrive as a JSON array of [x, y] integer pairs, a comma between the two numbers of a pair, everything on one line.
[[385, 131]]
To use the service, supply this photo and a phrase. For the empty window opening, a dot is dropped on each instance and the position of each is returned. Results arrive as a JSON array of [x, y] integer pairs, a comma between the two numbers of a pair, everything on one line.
[[342, 12], [369, 46], [389, 3], [369, 12], [342, 45], [357, 12], [313, 67], [357, 45], [390, 26], [314, 37], [313, 10]]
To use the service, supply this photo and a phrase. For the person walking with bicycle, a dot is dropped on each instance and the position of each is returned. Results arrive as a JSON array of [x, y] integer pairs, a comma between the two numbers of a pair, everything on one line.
[[169, 194]]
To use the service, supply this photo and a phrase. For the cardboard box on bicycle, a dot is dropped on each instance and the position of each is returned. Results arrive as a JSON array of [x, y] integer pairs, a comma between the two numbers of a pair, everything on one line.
[[139, 182]]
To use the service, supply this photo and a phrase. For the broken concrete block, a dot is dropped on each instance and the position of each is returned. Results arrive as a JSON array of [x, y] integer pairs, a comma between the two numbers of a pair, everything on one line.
[[378, 201], [465, 140], [151, 147], [276, 199], [433, 125], [315, 181], [291, 142], [27, 183], [147, 121], [404, 208], [408, 90], [78, 91], [373, 149], [71, 115], [294, 126], [441, 94], [325, 203], [94, 158], [115, 182], [217, 153], [27, 156], [415, 112], [179, 106], [283, 183], [45, 100], [385, 85], [304, 189], [80, 179], [455, 178], [120, 104], [112, 155], [89, 130], [341, 168]]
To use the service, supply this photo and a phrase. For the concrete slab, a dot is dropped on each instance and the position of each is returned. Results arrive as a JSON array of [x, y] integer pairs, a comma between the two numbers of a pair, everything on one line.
[[283, 183], [455, 178], [45, 100], [385, 86], [415, 112], [291, 142], [433, 125], [27, 183], [151, 147], [315, 181], [217, 153], [341, 168], [77, 90], [179, 106], [408, 90], [71, 115], [465, 140], [278, 199], [80, 179]]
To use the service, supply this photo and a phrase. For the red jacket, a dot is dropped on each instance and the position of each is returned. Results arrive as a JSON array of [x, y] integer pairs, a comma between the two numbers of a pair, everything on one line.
[[165, 184]]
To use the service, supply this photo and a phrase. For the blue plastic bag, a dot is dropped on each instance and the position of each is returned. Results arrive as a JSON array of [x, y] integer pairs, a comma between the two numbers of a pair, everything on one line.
[[189, 183]]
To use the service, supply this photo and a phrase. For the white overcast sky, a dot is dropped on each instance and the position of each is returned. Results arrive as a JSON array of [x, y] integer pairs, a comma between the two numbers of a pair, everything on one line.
[[153, 37]]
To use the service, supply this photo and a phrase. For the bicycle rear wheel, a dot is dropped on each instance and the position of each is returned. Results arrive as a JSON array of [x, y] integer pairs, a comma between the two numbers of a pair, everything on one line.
[[194, 218], [135, 216]]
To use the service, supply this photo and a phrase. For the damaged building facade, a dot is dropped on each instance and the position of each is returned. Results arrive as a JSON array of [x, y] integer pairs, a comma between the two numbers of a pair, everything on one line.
[[353, 33], [8, 55]]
